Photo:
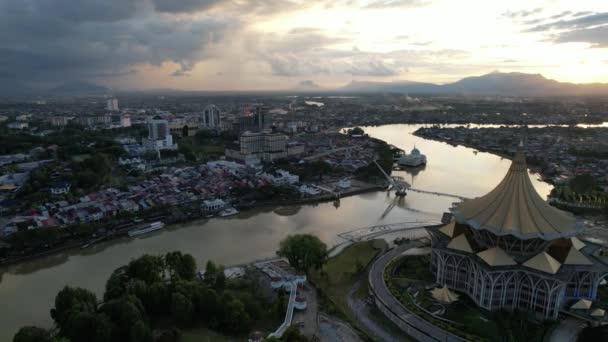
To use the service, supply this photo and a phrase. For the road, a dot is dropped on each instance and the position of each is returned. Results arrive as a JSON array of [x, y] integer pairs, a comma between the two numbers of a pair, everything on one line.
[[567, 331], [376, 279]]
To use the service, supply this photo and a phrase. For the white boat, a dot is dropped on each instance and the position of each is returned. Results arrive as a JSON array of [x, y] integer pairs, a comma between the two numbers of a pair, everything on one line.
[[413, 159], [344, 183], [147, 228], [229, 211]]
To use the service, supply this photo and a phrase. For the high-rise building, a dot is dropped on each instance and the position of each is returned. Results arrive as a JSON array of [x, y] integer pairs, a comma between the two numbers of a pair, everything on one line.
[[212, 117], [159, 136], [511, 250], [259, 120], [112, 104], [259, 146], [158, 128]]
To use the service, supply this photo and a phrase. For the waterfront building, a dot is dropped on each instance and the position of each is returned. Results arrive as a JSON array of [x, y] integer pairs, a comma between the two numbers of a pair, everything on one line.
[[212, 117], [414, 159], [511, 250], [259, 146]]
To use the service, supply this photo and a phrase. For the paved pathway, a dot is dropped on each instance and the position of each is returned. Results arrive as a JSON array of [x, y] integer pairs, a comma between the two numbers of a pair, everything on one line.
[[567, 331]]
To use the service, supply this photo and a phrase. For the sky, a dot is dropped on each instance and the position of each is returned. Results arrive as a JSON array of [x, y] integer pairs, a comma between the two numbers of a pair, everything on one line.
[[276, 44]]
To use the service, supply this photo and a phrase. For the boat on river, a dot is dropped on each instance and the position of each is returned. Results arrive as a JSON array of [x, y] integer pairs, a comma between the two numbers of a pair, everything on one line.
[[230, 211], [147, 228]]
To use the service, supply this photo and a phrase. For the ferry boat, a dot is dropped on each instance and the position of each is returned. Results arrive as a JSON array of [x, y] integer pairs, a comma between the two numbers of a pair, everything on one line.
[[147, 228], [229, 211], [415, 158]]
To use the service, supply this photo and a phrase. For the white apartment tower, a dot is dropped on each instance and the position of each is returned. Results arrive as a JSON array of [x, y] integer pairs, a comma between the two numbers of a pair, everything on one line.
[[212, 117], [112, 104]]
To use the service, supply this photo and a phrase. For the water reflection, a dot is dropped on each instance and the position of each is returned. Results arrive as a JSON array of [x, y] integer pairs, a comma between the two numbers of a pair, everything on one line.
[[29, 288], [288, 210]]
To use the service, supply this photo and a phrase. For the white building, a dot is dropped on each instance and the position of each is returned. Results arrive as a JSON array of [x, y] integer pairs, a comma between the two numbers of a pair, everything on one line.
[[212, 206], [125, 121], [212, 117], [159, 137], [112, 104], [281, 177], [18, 125]]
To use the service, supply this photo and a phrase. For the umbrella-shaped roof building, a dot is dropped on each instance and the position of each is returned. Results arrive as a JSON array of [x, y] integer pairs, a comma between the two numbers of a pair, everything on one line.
[[510, 249]]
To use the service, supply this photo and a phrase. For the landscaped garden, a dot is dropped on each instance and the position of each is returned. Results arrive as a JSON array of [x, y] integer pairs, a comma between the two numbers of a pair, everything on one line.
[[409, 278]]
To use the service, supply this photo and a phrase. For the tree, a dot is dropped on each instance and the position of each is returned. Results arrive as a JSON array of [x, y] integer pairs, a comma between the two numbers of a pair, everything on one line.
[[234, 318], [140, 332], [293, 334], [160, 299], [182, 309], [116, 284], [32, 334], [209, 307], [583, 183], [210, 273], [87, 326], [356, 131], [125, 313], [71, 301], [320, 168], [148, 268], [303, 251], [180, 266]]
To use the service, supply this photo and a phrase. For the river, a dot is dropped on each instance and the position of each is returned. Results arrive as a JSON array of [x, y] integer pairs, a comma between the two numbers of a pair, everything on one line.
[[27, 290]]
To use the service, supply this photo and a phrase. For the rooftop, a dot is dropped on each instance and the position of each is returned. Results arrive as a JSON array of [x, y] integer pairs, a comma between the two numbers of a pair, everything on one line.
[[515, 208]]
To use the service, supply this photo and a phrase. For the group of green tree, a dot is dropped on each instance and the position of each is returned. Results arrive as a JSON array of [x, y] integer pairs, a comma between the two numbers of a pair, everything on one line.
[[384, 157], [163, 293], [582, 189]]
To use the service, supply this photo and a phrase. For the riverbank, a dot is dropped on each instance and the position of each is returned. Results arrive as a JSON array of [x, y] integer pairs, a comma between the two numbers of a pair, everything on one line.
[[189, 215]]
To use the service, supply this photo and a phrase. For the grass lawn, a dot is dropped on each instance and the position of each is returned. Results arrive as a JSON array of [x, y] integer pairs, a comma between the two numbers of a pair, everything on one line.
[[415, 267], [338, 274], [464, 311], [203, 335]]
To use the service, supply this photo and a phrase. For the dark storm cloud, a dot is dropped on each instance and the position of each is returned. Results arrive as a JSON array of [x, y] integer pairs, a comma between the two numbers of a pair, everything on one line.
[[597, 36], [183, 6], [56, 41], [584, 27], [571, 24]]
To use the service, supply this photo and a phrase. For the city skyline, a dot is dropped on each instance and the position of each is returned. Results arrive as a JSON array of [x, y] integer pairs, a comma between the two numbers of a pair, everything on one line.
[[270, 45]]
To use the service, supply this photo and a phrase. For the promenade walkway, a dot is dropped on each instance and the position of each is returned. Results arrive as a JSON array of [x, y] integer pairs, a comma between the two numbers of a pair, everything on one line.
[[438, 193], [410, 323]]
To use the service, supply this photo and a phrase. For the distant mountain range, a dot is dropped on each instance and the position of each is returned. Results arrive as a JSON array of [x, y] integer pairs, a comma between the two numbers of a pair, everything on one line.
[[496, 83], [307, 85], [78, 89]]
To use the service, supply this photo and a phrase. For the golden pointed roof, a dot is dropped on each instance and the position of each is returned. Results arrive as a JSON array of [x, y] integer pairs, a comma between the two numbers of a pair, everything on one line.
[[515, 208], [460, 243], [582, 304], [496, 257], [444, 295], [575, 257], [576, 243], [448, 229], [543, 262], [598, 313]]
